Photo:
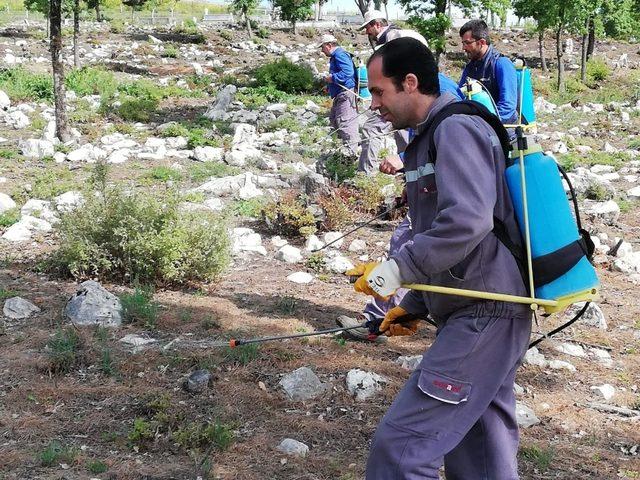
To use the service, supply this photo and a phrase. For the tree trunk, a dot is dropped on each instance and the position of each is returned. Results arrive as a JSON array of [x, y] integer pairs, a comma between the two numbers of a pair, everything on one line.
[[543, 61], [248, 23], [295, 27], [76, 31], [55, 16], [98, 15], [386, 9], [559, 53], [592, 38], [318, 7], [583, 63]]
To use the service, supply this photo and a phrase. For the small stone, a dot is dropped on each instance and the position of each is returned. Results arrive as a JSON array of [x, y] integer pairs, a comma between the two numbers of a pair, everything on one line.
[[6, 203], [606, 391], [534, 357], [278, 241], [300, 278], [357, 246], [17, 308], [525, 416], [197, 382], [571, 349], [293, 447], [333, 236], [92, 304], [302, 384], [339, 264], [313, 243], [561, 365], [289, 254], [364, 385], [409, 362]]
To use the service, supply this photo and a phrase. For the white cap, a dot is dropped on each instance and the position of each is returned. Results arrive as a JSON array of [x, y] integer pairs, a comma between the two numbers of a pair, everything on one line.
[[372, 15], [327, 38]]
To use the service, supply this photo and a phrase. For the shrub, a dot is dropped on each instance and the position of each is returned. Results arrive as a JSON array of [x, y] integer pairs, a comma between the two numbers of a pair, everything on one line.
[[116, 26], [339, 167], [91, 81], [188, 27], [370, 195], [289, 217], [309, 32], [141, 432], [597, 70], [226, 35], [20, 84], [138, 307], [142, 237], [137, 109], [8, 153], [62, 350], [339, 211], [249, 208], [262, 32], [285, 76], [243, 354], [97, 467]]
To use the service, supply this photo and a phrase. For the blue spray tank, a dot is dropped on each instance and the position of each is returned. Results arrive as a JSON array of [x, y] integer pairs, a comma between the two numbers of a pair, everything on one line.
[[475, 91], [363, 81], [525, 95], [548, 226]]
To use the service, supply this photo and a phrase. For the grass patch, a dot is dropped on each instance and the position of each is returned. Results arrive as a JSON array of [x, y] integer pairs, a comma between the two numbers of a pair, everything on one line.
[[205, 170], [56, 453], [4, 294], [96, 467], [202, 435], [164, 174], [251, 208], [340, 167], [541, 458], [91, 81], [138, 307], [63, 350], [21, 84], [9, 217], [8, 153], [243, 354]]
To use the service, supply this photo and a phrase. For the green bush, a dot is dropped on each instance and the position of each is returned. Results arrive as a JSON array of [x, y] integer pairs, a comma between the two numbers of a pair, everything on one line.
[[289, 217], [138, 307], [370, 187], [226, 35], [205, 170], [255, 97], [340, 167], [116, 26], [20, 84], [164, 174], [137, 109], [598, 70], [97, 467], [285, 76], [91, 81], [143, 237]]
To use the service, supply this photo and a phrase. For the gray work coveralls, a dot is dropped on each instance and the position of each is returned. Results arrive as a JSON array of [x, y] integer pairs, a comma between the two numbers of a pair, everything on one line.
[[458, 406]]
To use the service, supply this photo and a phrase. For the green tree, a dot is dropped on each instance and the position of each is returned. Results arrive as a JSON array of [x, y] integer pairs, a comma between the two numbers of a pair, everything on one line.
[[244, 8], [294, 10], [55, 37]]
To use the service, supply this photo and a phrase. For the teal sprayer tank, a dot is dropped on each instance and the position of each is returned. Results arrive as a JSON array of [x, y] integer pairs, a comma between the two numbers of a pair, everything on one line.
[[473, 90], [363, 82], [525, 93], [551, 223]]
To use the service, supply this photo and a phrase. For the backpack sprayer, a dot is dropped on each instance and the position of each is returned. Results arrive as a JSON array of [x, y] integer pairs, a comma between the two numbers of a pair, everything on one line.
[[557, 250]]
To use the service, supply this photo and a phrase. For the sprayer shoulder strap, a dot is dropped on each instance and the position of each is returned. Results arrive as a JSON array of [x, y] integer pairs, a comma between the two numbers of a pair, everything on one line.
[[469, 107]]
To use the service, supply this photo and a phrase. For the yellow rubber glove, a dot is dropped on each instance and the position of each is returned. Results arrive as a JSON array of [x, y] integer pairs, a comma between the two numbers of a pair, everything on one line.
[[392, 329], [363, 270]]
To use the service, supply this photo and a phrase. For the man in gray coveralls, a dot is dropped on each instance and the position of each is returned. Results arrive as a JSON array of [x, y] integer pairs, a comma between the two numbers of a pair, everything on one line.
[[458, 406]]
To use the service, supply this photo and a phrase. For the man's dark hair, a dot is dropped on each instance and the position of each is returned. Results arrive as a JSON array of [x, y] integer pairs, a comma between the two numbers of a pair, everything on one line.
[[403, 56], [479, 30]]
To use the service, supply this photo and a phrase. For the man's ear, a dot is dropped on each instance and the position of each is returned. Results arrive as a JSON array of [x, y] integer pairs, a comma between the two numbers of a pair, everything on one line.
[[410, 83]]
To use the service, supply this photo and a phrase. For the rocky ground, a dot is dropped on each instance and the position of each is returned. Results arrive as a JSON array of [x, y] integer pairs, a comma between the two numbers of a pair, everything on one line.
[[167, 399]]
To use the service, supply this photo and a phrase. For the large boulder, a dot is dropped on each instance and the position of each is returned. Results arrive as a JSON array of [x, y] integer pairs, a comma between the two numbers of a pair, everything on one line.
[[219, 107], [92, 304]]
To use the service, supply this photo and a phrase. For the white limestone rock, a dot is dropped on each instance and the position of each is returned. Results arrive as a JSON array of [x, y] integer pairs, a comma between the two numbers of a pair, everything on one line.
[[17, 308], [364, 385]]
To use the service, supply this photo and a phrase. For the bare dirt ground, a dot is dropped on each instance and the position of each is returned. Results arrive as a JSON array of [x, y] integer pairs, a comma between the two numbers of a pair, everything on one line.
[[92, 413]]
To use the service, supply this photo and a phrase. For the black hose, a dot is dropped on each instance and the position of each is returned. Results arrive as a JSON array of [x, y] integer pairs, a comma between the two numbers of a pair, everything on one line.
[[561, 327]]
